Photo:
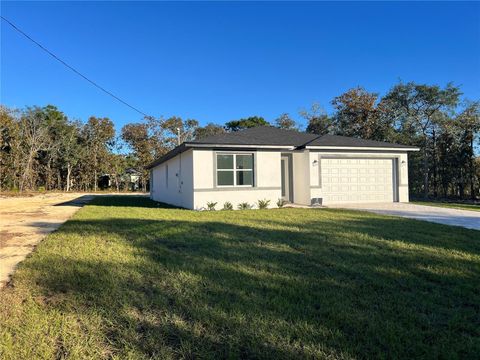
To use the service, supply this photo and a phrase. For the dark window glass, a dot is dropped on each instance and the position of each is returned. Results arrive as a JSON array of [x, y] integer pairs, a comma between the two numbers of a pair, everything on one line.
[[244, 161], [225, 178], [224, 161], [244, 178]]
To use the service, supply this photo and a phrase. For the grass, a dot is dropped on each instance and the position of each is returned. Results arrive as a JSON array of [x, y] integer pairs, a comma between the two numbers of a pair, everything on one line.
[[452, 205], [128, 279]]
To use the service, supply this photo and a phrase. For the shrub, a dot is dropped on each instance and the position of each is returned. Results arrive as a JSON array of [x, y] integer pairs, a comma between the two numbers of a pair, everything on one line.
[[281, 202], [263, 204], [244, 206], [211, 205], [228, 206]]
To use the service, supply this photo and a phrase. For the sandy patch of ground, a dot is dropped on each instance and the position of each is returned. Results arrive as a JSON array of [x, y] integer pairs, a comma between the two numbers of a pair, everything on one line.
[[25, 221]]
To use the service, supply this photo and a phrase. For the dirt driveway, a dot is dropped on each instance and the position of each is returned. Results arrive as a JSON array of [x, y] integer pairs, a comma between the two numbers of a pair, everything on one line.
[[24, 222], [447, 216]]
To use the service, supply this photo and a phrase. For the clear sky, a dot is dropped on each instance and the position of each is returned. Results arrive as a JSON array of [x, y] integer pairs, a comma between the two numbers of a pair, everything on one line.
[[220, 61]]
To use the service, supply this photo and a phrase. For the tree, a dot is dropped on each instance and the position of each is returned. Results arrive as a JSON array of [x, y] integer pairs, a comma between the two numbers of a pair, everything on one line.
[[208, 130], [252, 121], [139, 139], [179, 130], [34, 135], [10, 143], [358, 115], [448, 155], [147, 142], [51, 156], [71, 151], [156, 133], [117, 164], [284, 121], [317, 119], [417, 106], [99, 135], [469, 123]]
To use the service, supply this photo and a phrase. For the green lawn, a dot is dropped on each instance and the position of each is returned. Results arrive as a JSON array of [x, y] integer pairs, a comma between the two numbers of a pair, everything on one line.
[[128, 279], [461, 206]]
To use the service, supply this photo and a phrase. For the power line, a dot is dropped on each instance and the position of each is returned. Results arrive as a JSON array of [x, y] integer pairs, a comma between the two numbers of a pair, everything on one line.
[[71, 67]]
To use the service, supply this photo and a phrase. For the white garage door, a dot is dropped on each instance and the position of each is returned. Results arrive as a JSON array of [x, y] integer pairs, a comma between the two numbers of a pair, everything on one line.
[[350, 180]]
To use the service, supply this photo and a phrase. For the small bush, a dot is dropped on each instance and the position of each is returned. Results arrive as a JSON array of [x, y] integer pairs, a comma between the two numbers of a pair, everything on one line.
[[263, 204], [281, 203], [244, 206], [211, 205], [228, 206]]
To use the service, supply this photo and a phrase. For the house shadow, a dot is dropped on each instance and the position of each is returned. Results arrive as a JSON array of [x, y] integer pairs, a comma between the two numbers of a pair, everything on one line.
[[78, 202], [129, 200]]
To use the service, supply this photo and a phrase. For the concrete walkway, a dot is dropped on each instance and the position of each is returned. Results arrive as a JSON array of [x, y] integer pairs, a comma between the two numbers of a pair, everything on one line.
[[25, 221], [465, 218]]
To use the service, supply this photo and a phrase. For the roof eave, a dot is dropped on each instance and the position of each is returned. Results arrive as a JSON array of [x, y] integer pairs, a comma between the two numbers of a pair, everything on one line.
[[186, 146], [212, 145], [169, 155], [376, 148]]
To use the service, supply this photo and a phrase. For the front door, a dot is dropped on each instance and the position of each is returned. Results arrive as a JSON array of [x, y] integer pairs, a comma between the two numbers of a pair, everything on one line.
[[286, 178]]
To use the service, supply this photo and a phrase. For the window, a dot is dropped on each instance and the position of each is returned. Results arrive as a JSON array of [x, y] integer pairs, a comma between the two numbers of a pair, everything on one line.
[[234, 169]]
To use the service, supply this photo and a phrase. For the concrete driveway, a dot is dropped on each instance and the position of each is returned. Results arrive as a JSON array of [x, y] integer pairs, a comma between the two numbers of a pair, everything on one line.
[[465, 218]]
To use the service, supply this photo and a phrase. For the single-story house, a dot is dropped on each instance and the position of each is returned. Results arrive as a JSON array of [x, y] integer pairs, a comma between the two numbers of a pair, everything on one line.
[[270, 163]]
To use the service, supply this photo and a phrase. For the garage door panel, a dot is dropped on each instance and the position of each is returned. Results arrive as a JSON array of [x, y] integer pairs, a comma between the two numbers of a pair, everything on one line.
[[347, 180]]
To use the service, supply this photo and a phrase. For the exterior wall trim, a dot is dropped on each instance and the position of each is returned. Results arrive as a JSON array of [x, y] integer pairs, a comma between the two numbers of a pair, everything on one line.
[[233, 188], [396, 176]]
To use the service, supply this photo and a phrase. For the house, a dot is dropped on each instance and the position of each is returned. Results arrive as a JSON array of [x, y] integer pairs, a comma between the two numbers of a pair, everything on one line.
[[128, 180], [270, 163]]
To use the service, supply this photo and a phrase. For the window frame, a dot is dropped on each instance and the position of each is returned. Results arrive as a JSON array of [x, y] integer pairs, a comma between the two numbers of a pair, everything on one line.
[[235, 170]]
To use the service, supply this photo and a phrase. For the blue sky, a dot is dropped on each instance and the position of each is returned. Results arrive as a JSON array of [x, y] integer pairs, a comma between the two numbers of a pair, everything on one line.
[[220, 61]]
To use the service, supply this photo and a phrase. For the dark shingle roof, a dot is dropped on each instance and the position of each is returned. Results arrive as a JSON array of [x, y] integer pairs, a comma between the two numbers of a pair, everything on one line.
[[335, 140], [271, 136], [262, 135]]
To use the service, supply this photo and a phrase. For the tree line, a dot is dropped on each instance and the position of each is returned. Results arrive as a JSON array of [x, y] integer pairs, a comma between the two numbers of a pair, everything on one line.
[[41, 148]]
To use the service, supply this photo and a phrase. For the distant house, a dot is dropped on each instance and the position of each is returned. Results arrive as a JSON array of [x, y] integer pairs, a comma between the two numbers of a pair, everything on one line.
[[131, 177], [271, 163], [129, 180]]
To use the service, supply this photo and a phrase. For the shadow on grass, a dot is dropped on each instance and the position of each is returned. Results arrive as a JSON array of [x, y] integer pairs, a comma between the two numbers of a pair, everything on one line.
[[254, 287], [141, 201], [79, 202]]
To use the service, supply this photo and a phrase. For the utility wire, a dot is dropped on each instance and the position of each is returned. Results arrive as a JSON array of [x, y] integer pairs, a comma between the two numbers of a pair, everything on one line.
[[72, 68]]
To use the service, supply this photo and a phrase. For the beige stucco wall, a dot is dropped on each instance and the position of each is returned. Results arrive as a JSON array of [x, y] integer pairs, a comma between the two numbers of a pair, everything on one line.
[[236, 197], [267, 180], [179, 191]]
